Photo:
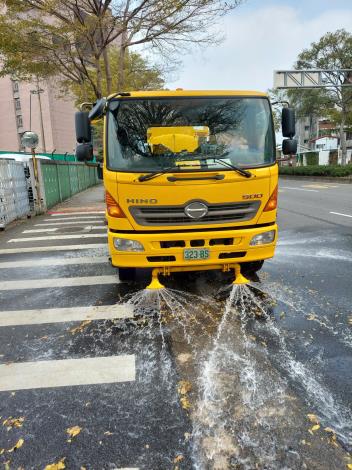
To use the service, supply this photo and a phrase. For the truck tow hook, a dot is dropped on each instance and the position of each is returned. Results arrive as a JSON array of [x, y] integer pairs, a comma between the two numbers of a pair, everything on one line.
[[155, 283], [239, 279]]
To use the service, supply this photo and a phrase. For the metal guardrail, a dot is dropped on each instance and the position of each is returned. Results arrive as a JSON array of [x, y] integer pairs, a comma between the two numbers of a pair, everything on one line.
[[14, 201]]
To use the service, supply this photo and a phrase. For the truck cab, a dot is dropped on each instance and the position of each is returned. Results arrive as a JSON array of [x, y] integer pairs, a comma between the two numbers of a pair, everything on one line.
[[191, 179]]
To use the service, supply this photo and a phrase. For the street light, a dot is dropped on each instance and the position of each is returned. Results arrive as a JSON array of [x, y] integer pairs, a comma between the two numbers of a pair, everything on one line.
[[38, 91], [30, 140]]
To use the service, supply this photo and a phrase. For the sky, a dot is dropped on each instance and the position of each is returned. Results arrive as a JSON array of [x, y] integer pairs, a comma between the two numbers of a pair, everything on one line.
[[261, 36]]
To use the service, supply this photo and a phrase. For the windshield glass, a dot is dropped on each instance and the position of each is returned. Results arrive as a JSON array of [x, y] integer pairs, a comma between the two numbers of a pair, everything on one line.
[[146, 135]]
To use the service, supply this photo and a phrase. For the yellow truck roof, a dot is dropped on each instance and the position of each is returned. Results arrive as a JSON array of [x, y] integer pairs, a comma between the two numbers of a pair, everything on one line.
[[179, 92]]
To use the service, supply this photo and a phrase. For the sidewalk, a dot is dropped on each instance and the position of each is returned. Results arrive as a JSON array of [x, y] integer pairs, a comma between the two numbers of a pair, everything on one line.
[[92, 199]]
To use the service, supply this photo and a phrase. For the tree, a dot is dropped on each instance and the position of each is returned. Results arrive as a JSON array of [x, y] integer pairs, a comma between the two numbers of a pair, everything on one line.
[[139, 75], [332, 51], [72, 39]]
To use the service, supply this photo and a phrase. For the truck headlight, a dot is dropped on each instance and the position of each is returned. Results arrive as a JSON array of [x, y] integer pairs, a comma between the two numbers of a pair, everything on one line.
[[121, 244], [263, 238]]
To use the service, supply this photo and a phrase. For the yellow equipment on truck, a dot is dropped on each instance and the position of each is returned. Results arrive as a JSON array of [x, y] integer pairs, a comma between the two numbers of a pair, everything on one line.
[[191, 179]]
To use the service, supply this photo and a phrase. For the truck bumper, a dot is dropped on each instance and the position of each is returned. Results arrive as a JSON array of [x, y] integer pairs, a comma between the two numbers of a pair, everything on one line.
[[167, 249]]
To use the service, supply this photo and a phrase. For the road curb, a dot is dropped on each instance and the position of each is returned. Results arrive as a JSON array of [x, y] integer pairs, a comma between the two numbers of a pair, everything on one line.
[[327, 179]]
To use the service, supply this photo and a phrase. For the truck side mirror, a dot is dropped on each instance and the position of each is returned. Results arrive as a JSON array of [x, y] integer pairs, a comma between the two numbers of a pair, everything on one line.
[[98, 110], [84, 152], [100, 172], [83, 129], [289, 147], [288, 122]]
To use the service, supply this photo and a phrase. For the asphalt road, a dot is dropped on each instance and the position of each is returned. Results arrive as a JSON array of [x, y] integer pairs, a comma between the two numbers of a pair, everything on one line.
[[194, 378]]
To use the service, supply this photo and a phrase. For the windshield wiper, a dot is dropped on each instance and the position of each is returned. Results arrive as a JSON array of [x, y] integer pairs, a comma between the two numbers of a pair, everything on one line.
[[150, 176], [239, 170]]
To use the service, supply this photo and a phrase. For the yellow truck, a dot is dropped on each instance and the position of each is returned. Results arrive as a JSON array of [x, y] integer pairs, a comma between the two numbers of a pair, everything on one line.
[[190, 177]]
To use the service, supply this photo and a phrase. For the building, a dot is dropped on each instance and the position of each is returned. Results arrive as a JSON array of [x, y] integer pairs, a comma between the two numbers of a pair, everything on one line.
[[306, 129], [36, 106]]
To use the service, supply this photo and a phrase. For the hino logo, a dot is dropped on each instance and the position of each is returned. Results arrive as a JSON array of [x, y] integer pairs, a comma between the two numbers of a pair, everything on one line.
[[141, 201], [196, 210]]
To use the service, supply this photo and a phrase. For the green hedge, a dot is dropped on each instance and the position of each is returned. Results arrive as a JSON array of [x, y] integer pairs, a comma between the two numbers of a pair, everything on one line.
[[316, 170]]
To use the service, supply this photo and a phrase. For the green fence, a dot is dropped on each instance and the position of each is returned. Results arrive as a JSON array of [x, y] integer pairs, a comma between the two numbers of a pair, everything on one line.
[[65, 157], [62, 180]]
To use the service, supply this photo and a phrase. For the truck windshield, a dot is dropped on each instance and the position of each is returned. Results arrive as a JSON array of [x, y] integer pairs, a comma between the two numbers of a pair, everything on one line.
[[146, 135]]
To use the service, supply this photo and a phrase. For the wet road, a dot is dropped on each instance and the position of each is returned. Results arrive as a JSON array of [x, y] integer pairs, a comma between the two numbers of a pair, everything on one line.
[[193, 378]]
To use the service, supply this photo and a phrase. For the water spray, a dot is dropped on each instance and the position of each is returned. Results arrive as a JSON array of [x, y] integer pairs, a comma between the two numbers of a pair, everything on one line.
[[155, 284]]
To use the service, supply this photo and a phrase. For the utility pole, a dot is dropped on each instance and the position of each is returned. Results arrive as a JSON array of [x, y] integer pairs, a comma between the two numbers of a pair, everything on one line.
[[38, 91]]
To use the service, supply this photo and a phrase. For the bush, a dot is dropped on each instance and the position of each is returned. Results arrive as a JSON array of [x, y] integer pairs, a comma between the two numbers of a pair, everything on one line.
[[316, 170]]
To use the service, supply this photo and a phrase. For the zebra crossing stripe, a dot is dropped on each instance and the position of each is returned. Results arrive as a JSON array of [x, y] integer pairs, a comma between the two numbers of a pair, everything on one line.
[[57, 282], [35, 249], [74, 222], [31, 263], [44, 230], [61, 214], [58, 237], [74, 218], [67, 372], [61, 315]]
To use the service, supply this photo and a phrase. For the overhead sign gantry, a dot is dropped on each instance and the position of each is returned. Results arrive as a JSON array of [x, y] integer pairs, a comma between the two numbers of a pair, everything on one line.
[[314, 78]]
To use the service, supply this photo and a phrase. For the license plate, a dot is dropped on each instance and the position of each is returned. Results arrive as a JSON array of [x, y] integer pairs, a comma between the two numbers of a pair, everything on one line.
[[195, 253]]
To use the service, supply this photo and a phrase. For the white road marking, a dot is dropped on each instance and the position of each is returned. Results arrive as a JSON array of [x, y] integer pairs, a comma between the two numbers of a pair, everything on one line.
[[41, 230], [58, 237], [57, 224], [58, 282], [339, 213], [31, 263], [44, 230], [300, 189], [67, 372], [59, 315], [61, 214], [74, 218], [35, 249], [319, 186]]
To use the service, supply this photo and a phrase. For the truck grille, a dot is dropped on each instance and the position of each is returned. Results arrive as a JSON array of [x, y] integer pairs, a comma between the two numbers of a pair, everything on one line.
[[175, 215]]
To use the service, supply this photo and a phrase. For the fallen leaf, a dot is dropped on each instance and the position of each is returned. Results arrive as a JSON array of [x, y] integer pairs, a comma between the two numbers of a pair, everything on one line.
[[57, 466], [349, 466], [13, 422], [108, 433], [329, 430], [311, 317], [2, 451], [282, 315], [179, 458], [184, 387], [185, 403], [313, 419], [80, 327], [315, 427], [72, 432], [18, 444]]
